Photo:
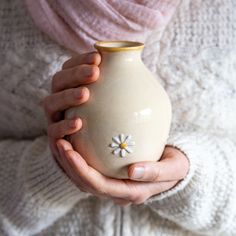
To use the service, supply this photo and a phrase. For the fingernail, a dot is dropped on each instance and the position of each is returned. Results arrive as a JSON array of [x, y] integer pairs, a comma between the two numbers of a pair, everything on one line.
[[73, 123], [138, 172], [78, 93]]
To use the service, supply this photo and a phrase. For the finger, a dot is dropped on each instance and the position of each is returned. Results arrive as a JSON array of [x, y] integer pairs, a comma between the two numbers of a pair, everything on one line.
[[60, 161], [98, 184], [87, 58], [66, 167], [89, 176], [62, 100], [94, 180], [73, 77], [168, 169], [159, 187], [64, 127], [128, 190], [60, 129]]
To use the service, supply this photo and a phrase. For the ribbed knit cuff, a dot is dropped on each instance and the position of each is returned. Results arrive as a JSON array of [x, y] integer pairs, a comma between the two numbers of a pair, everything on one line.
[[41, 192], [189, 145], [45, 180]]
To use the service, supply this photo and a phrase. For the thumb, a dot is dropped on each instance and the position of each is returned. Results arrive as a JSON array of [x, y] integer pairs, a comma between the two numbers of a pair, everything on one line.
[[148, 171], [169, 169]]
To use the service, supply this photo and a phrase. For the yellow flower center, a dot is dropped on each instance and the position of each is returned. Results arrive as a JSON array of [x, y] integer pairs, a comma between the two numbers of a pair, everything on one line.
[[123, 145]]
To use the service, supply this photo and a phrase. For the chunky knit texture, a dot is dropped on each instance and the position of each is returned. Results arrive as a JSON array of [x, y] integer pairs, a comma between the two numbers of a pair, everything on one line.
[[195, 60]]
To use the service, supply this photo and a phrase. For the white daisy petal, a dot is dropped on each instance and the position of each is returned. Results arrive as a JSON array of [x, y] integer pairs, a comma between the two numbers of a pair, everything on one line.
[[129, 150], [116, 151], [131, 143], [128, 138], [114, 145], [116, 139], [126, 148], [122, 138], [123, 153]]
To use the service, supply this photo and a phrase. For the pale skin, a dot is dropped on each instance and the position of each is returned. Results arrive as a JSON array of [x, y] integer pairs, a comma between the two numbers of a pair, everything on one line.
[[69, 89]]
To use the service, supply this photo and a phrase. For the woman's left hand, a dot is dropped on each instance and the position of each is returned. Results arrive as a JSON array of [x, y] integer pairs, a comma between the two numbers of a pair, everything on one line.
[[146, 178]]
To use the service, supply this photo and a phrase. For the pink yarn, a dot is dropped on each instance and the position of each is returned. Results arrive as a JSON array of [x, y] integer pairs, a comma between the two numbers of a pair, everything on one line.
[[77, 24]]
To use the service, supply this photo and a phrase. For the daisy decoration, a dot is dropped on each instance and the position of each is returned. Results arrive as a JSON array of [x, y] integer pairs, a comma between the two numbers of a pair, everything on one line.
[[122, 145]]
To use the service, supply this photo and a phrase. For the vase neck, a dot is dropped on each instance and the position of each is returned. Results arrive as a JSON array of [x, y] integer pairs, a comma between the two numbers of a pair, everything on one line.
[[124, 56], [119, 51]]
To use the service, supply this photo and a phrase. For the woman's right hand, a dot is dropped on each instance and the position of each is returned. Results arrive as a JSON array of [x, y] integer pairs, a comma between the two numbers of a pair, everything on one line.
[[68, 90]]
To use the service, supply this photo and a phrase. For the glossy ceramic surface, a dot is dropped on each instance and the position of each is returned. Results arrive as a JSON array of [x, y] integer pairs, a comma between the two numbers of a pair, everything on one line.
[[128, 115]]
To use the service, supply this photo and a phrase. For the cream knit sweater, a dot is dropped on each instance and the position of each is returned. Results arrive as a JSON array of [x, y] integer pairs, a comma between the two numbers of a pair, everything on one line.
[[195, 59]]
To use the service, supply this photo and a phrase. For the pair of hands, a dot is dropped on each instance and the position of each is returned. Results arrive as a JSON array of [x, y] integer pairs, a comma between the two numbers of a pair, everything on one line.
[[146, 178]]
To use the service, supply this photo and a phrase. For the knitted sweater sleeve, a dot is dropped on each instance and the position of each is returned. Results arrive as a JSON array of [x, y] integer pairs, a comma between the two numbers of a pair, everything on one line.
[[205, 201], [34, 190]]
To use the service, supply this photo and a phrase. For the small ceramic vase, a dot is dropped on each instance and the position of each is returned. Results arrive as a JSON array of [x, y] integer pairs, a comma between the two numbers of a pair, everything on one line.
[[127, 117]]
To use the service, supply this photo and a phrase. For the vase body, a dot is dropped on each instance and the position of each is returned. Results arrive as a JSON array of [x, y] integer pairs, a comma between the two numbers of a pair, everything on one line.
[[127, 117]]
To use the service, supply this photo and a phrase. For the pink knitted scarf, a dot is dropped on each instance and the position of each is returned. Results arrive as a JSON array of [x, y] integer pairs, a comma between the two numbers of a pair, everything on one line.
[[77, 24]]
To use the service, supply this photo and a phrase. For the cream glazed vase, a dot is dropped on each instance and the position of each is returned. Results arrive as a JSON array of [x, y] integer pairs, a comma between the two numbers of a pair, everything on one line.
[[127, 117]]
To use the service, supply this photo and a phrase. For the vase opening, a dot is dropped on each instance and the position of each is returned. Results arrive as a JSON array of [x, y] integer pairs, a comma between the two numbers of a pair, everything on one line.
[[116, 46]]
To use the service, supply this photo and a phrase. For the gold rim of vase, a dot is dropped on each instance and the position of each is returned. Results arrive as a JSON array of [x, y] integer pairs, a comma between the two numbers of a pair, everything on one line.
[[118, 45]]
